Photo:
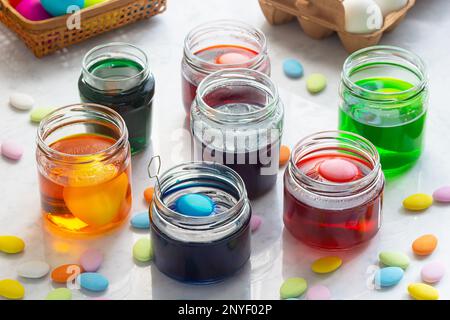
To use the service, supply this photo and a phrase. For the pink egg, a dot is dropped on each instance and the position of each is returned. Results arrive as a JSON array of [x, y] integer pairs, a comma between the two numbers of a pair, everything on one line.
[[14, 3], [433, 272], [338, 170], [11, 150], [232, 58], [255, 222], [91, 260], [32, 10], [318, 292], [442, 194]]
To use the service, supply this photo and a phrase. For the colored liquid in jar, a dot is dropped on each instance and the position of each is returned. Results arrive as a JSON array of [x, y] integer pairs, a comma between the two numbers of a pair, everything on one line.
[[220, 54], [332, 229], [124, 87], [399, 144], [85, 198]]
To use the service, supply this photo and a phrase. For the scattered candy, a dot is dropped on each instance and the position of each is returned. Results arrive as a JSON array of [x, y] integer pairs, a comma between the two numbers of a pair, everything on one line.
[[418, 202], [388, 277], [424, 245], [11, 289], [255, 222], [11, 244], [232, 58], [422, 291], [293, 288], [433, 272], [338, 170], [195, 205], [91, 260], [37, 114], [394, 259], [285, 154], [318, 292], [33, 269], [11, 150], [59, 294], [148, 194], [316, 82], [326, 264], [66, 272], [142, 250], [141, 220], [21, 101], [442, 194], [93, 281], [293, 68]]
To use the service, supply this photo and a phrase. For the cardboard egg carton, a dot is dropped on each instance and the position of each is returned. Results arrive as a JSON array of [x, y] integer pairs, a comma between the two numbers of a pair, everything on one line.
[[321, 18]]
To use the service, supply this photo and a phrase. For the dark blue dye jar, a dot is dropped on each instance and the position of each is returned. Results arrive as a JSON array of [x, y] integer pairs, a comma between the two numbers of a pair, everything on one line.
[[201, 249]]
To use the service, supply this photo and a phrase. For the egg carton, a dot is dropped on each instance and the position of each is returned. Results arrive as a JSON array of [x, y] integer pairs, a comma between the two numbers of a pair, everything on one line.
[[321, 18]]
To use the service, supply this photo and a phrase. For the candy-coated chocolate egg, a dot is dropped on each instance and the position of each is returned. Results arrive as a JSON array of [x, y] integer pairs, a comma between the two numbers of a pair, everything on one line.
[[61, 7], [195, 205], [32, 10]]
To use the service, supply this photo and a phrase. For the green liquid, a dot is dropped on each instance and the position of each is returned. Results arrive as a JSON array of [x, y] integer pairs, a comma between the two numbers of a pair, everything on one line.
[[122, 86], [397, 130]]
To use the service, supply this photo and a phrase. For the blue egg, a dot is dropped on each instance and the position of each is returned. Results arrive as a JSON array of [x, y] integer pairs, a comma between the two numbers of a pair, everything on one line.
[[194, 205], [93, 281], [388, 277], [141, 220], [293, 68], [61, 7]]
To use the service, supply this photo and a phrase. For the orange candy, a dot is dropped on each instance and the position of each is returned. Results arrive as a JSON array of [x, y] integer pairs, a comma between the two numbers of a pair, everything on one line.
[[424, 245], [285, 154], [148, 194], [66, 272]]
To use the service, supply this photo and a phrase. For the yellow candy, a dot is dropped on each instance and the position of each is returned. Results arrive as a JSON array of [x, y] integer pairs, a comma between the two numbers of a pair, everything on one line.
[[422, 291], [326, 264], [11, 289], [11, 244], [418, 202]]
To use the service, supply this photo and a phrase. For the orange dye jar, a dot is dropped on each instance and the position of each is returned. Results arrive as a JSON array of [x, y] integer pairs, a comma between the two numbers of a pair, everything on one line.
[[84, 165]]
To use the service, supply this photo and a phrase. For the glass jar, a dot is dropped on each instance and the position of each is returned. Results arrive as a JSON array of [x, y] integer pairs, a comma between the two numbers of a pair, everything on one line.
[[384, 98], [84, 165], [218, 45], [333, 190], [237, 120], [117, 75], [200, 249]]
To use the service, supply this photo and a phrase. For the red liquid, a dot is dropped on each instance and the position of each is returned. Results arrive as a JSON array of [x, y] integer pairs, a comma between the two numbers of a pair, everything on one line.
[[332, 229], [212, 55]]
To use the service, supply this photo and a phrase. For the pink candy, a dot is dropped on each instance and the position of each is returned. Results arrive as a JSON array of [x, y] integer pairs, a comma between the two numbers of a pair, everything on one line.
[[91, 260], [433, 272], [442, 194], [338, 170], [255, 222], [11, 150], [318, 292]]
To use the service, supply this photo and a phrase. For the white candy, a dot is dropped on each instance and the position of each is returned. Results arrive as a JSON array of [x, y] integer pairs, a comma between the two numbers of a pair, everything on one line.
[[362, 16], [388, 6], [33, 269], [21, 101]]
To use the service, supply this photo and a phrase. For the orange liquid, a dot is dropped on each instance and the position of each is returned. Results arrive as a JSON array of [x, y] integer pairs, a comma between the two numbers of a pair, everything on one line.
[[90, 197]]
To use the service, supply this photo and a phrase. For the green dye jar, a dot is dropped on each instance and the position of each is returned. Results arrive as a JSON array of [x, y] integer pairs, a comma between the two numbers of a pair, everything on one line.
[[117, 75], [384, 98]]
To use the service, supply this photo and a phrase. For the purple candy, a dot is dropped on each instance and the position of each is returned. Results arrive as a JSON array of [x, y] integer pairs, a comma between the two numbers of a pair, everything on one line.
[[91, 260], [433, 272], [11, 150], [442, 194]]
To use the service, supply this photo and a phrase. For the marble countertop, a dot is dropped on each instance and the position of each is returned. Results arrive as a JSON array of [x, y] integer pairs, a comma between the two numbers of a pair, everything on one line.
[[276, 255]]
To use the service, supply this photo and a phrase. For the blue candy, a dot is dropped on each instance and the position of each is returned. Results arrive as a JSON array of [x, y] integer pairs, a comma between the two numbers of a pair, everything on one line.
[[93, 281], [293, 68], [141, 220], [388, 277], [194, 205]]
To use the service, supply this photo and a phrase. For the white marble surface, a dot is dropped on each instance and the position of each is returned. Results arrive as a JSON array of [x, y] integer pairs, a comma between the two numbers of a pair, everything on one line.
[[276, 255]]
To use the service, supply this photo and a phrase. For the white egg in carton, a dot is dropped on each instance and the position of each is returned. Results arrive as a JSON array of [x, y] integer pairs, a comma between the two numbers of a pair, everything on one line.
[[359, 23]]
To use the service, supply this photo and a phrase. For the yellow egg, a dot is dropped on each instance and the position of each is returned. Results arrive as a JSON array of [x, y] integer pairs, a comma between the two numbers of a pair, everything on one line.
[[422, 291], [418, 202], [88, 3], [11, 289], [326, 264], [11, 244]]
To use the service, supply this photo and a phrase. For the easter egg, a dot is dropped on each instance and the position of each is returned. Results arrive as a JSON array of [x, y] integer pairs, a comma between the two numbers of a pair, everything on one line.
[[59, 294], [142, 250], [418, 202], [285, 154], [338, 170], [66, 272], [11, 244], [293, 288], [11, 150], [442, 194], [424, 245], [292, 68], [148, 194], [316, 83], [61, 7], [21, 101], [88, 3], [433, 272], [91, 260], [394, 259], [33, 269], [362, 16], [326, 264], [32, 10], [388, 6], [39, 113], [195, 205], [422, 291], [93, 281], [11, 289], [388, 277], [141, 220]]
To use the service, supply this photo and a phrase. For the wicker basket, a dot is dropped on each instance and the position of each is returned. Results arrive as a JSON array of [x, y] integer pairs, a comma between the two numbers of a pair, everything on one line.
[[47, 36]]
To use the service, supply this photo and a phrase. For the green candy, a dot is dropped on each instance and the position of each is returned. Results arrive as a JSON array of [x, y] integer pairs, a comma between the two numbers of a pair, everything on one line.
[[142, 250], [59, 294], [293, 288], [394, 259], [316, 82], [37, 114]]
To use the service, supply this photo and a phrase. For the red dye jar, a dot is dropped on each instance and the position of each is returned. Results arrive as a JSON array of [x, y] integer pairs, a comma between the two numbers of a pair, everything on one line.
[[333, 190], [218, 45]]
